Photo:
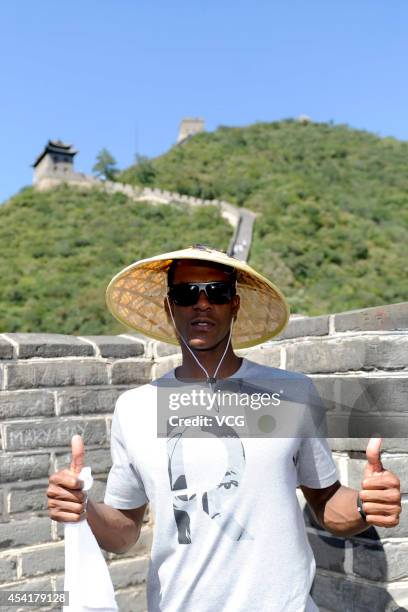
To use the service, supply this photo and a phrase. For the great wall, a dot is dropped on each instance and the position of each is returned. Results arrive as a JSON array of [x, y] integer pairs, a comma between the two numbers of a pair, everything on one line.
[[54, 386], [54, 166]]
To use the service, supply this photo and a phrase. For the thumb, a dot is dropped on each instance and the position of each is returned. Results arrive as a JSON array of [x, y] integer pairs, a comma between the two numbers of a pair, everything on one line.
[[77, 454], [373, 453]]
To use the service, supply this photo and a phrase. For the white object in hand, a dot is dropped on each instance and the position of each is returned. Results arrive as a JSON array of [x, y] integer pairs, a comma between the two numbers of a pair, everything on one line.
[[87, 577]]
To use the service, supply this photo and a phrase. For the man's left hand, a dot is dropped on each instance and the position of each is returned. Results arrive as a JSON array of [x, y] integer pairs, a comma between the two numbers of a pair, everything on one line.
[[380, 489]]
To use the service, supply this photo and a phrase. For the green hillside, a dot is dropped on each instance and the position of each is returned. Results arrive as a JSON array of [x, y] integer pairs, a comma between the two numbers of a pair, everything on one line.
[[59, 250], [332, 204]]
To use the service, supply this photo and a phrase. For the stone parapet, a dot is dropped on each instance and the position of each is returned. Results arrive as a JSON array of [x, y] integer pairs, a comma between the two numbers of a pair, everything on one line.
[[53, 386], [241, 219]]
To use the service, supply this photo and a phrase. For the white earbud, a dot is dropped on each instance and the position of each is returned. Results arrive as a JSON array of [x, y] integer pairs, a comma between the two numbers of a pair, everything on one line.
[[201, 366]]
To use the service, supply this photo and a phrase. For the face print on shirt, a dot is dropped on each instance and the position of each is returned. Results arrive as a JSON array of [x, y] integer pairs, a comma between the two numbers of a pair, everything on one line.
[[213, 501]]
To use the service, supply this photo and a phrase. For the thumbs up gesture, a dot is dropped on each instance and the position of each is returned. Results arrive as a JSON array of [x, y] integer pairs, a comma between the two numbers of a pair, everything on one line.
[[66, 500], [77, 454], [380, 489]]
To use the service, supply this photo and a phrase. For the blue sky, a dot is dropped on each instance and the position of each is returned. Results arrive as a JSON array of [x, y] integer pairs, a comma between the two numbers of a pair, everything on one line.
[[122, 74]]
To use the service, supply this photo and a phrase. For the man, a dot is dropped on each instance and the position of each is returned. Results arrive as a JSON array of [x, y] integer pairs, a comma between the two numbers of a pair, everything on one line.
[[229, 533]]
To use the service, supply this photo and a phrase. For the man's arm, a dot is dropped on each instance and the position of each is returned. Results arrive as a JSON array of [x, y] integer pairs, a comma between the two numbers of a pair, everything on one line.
[[115, 530], [336, 509]]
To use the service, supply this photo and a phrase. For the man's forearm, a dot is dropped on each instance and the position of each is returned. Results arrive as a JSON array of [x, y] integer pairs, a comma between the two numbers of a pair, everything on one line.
[[340, 515], [113, 530]]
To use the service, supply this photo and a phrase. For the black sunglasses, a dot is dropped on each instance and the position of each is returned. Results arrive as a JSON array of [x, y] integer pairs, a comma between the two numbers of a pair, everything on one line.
[[188, 294]]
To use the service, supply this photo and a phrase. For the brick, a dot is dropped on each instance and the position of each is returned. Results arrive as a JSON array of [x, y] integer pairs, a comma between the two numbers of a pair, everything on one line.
[[50, 345], [373, 394], [165, 364], [26, 404], [328, 551], [34, 584], [132, 600], [381, 561], [339, 593], [128, 572], [144, 544], [265, 354], [379, 318], [87, 401], [28, 498], [398, 465], [97, 493], [136, 337], [330, 591], [43, 560], [23, 467], [116, 346], [348, 354], [8, 569], [393, 445], [59, 584], [163, 349], [99, 460], [305, 326], [367, 394], [370, 405], [56, 374], [137, 371], [328, 389], [25, 533], [6, 349], [361, 425], [55, 432]]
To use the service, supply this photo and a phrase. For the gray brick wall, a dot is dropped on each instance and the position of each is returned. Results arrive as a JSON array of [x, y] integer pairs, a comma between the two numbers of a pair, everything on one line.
[[53, 386]]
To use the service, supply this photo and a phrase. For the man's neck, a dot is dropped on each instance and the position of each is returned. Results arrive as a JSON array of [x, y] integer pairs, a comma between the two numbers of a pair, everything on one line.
[[209, 360]]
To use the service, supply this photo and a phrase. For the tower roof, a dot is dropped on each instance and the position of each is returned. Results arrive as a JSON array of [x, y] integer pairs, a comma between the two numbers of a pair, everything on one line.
[[56, 146]]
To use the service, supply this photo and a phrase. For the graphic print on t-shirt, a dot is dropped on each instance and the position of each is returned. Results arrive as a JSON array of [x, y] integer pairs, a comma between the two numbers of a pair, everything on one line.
[[212, 501]]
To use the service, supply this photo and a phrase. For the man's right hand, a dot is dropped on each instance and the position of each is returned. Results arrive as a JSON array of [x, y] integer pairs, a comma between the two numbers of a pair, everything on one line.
[[66, 500]]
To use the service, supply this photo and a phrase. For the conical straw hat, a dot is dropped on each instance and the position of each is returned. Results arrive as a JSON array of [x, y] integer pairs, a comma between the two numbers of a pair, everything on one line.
[[135, 297]]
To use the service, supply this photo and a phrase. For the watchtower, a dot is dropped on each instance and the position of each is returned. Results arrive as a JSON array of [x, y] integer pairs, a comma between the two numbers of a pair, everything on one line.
[[188, 127], [57, 160]]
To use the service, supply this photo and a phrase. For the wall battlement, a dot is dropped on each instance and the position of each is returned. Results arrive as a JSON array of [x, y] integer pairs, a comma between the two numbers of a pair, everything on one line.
[[240, 218], [53, 386]]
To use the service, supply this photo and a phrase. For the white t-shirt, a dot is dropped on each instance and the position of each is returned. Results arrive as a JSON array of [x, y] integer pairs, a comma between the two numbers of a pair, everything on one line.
[[229, 533]]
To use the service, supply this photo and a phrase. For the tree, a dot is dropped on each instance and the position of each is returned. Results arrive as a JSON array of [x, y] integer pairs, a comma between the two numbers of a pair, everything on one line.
[[144, 169], [105, 165]]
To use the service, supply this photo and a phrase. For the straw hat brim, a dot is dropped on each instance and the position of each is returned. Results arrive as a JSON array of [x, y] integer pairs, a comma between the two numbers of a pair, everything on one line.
[[135, 297]]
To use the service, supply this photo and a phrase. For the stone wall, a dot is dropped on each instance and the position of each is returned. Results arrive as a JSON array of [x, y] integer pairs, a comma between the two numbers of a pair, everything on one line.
[[241, 219], [53, 386], [368, 349]]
